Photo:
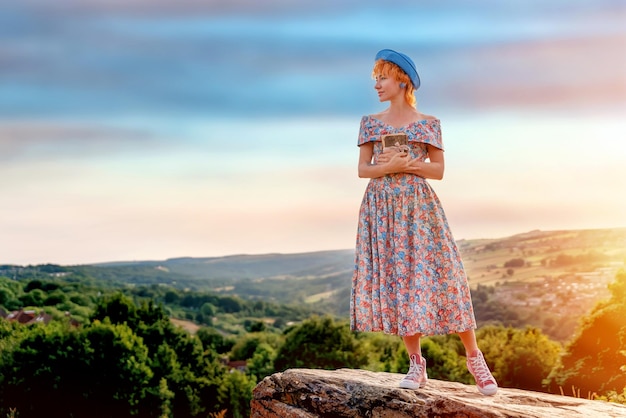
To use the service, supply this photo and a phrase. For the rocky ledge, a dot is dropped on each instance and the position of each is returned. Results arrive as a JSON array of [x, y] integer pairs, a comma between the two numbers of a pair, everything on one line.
[[306, 393]]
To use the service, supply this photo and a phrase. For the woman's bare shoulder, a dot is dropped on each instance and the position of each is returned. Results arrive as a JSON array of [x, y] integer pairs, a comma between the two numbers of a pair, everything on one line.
[[379, 115], [424, 116]]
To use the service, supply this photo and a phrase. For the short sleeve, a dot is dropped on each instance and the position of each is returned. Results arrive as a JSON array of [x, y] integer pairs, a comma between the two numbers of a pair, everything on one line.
[[432, 134], [366, 133]]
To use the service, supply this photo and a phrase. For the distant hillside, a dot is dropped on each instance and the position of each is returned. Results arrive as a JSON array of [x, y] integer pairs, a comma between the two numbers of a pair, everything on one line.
[[213, 273], [282, 278], [544, 278], [544, 254], [547, 279], [529, 256]]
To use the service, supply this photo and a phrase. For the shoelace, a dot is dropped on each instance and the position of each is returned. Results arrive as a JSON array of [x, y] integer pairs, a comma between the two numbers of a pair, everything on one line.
[[415, 371], [481, 371]]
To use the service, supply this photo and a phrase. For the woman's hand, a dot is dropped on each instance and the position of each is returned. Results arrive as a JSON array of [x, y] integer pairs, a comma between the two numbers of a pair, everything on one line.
[[398, 161], [391, 160], [389, 152], [433, 169]]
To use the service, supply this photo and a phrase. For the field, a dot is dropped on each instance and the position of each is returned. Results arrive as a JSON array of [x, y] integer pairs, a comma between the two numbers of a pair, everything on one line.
[[547, 279]]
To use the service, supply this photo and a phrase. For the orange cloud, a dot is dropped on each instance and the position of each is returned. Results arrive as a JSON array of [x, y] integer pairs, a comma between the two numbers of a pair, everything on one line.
[[570, 73]]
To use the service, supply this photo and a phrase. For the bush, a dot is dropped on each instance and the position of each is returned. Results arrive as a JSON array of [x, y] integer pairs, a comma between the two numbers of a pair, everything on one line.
[[320, 343], [515, 262]]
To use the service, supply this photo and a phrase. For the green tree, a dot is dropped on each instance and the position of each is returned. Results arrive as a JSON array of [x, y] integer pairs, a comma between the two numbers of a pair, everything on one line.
[[75, 372], [254, 326], [10, 335], [443, 360], [208, 309], [165, 396], [279, 323], [262, 362], [79, 298], [117, 361], [593, 360], [320, 342], [35, 297], [212, 339], [520, 358], [382, 350], [118, 308], [6, 295], [192, 374], [55, 297], [235, 394], [246, 346], [171, 297], [230, 304], [32, 285], [515, 262]]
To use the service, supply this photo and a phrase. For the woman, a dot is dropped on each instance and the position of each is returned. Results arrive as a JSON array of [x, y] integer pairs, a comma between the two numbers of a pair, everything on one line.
[[409, 278]]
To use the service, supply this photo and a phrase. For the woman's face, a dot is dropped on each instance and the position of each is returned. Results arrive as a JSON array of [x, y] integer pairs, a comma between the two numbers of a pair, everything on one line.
[[387, 88]]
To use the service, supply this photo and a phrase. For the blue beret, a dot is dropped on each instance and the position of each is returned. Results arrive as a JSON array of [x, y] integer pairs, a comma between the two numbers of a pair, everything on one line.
[[402, 61]]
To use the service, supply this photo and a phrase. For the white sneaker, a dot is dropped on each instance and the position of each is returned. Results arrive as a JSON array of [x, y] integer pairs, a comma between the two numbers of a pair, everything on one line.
[[416, 377], [477, 366]]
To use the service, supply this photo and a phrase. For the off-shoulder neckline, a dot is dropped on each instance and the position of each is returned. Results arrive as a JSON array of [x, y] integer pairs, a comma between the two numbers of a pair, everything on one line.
[[405, 125]]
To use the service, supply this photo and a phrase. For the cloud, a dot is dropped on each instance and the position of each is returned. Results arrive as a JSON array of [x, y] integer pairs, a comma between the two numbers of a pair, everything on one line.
[[156, 57], [182, 8], [47, 139], [569, 73], [157, 128]]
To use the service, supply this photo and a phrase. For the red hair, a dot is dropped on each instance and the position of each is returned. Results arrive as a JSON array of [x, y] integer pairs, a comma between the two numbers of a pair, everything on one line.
[[389, 69]]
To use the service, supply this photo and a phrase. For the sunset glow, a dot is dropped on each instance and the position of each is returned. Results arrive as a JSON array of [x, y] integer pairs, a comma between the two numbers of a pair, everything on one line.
[[169, 134]]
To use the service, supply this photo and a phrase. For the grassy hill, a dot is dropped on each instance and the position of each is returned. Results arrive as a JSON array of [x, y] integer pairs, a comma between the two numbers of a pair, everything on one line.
[[596, 254], [545, 254], [544, 278], [287, 278]]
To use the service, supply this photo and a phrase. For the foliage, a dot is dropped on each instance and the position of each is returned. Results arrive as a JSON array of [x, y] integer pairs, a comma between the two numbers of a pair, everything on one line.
[[102, 367], [320, 342], [445, 358], [593, 361], [568, 260], [191, 373], [235, 394], [261, 364], [198, 289], [214, 340], [613, 396], [126, 331], [247, 345], [383, 352], [515, 262], [489, 310], [129, 360], [519, 358], [77, 294]]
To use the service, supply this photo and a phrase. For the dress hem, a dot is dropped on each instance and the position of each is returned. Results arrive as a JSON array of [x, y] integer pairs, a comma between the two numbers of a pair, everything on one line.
[[423, 333]]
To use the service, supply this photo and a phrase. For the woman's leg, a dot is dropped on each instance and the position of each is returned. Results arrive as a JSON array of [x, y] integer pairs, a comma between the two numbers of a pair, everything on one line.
[[476, 364], [468, 338], [412, 344], [417, 376]]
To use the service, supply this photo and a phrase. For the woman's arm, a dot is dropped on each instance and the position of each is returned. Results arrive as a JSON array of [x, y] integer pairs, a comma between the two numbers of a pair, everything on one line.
[[397, 163], [429, 170]]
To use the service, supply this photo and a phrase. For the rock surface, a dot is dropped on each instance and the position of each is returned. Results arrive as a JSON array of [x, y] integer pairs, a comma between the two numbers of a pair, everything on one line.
[[306, 393]]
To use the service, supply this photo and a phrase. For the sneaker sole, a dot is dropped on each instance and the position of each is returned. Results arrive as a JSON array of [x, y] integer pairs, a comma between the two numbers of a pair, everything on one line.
[[488, 391], [409, 385]]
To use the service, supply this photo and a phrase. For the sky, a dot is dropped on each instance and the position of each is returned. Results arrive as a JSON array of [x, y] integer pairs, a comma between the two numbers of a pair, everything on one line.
[[148, 130]]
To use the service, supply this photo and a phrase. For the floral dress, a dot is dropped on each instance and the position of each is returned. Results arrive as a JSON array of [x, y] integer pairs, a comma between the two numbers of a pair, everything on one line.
[[408, 277]]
